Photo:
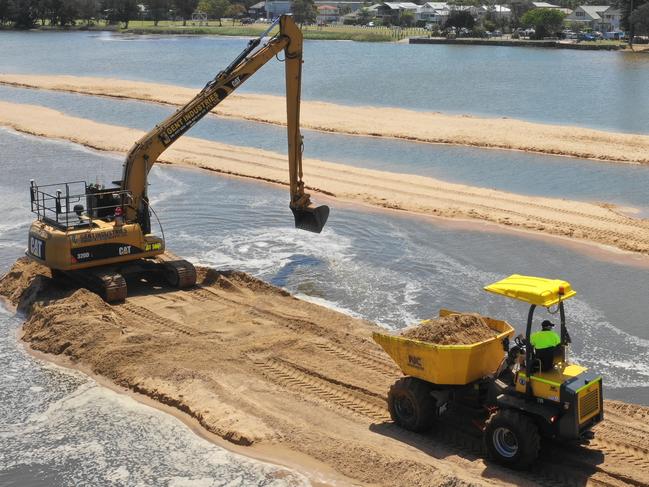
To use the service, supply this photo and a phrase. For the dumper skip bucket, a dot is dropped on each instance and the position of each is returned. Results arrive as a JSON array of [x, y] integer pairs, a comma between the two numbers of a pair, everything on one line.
[[311, 219]]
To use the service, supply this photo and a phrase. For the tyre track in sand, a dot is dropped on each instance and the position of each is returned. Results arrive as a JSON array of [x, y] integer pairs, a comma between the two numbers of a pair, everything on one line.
[[607, 461], [256, 365]]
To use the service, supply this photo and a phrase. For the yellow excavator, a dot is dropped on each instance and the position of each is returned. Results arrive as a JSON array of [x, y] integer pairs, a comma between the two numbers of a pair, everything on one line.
[[110, 238]]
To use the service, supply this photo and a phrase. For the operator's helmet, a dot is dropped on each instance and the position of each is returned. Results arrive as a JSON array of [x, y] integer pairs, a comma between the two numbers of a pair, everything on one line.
[[547, 325]]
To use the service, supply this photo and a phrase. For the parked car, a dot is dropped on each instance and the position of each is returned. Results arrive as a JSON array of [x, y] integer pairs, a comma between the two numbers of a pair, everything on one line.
[[247, 20]]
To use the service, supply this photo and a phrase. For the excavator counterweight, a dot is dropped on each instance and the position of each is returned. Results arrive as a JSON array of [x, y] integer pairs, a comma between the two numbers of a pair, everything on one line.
[[111, 237]]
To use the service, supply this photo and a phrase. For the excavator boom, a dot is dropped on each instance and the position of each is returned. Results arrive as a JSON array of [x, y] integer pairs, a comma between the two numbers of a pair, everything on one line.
[[100, 236], [148, 149]]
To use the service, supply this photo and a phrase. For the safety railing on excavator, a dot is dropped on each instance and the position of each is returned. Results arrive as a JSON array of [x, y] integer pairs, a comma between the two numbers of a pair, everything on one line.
[[62, 204]]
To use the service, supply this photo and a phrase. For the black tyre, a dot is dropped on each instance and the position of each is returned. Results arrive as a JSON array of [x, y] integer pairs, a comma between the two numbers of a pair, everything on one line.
[[411, 405], [512, 439]]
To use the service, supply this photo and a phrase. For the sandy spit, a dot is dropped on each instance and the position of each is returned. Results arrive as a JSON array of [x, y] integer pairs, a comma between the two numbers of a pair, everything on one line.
[[501, 133], [589, 222], [266, 371]]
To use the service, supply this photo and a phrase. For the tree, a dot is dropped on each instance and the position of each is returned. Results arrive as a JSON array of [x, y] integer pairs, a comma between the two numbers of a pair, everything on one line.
[[460, 19], [24, 13], [88, 10], [304, 11], [120, 11], [407, 19], [363, 16], [5, 11], [185, 8], [639, 19], [545, 21], [215, 9], [236, 11], [158, 9], [628, 7]]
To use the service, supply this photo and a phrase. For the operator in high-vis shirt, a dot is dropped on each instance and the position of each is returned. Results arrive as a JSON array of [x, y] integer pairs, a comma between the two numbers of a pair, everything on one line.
[[544, 342]]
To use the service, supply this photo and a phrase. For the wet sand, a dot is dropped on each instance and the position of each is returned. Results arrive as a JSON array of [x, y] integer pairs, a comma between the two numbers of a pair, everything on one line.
[[275, 375], [597, 223], [433, 127]]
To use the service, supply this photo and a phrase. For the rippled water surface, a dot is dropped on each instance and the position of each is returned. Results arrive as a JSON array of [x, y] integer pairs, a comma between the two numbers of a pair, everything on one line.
[[592, 88]]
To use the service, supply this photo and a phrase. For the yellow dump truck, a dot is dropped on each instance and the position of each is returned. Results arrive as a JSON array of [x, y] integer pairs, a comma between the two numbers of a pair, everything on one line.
[[560, 400]]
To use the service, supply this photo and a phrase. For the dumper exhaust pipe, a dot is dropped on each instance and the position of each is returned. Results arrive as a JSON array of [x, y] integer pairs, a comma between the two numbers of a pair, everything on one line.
[[310, 218]]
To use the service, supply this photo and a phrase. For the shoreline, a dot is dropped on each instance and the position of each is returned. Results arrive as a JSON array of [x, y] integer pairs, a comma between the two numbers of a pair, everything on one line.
[[500, 133], [549, 44], [318, 474], [598, 223]]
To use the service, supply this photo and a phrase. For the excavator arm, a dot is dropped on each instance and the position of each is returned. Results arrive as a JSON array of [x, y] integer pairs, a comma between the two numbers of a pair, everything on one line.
[[144, 154]]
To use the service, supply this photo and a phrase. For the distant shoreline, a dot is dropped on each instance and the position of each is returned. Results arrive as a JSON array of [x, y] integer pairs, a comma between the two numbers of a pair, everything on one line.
[[520, 43], [331, 33]]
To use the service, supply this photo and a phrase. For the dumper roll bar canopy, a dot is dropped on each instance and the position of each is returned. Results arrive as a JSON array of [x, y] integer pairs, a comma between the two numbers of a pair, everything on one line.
[[536, 291]]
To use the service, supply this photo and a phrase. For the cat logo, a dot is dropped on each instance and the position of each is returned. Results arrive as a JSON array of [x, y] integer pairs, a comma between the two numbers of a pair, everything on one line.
[[414, 361], [125, 250], [37, 247]]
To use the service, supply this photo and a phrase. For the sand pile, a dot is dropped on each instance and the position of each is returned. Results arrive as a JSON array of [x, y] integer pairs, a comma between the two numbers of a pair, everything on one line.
[[289, 381], [457, 329]]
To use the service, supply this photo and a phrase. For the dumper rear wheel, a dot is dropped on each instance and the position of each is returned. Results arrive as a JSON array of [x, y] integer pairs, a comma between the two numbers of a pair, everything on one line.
[[512, 439], [411, 405]]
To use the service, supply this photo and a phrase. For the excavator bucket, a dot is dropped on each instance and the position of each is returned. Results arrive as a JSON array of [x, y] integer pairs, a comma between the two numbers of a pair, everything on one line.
[[311, 219]]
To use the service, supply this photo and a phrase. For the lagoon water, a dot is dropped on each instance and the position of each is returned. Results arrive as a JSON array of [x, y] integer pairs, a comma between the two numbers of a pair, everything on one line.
[[588, 88], [60, 428]]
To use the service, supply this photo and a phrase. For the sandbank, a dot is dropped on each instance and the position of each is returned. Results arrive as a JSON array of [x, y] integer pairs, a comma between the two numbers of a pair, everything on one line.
[[432, 127], [599, 223]]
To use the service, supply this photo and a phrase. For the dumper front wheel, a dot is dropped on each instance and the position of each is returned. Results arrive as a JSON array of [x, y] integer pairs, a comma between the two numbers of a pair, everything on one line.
[[512, 439], [411, 405]]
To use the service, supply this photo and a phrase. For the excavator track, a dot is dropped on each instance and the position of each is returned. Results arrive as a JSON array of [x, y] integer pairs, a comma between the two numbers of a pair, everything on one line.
[[109, 284], [179, 273]]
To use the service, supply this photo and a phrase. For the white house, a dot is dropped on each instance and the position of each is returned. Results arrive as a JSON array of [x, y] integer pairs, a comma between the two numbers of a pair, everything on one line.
[[433, 13], [396, 9], [327, 14], [544, 5], [603, 18], [497, 11]]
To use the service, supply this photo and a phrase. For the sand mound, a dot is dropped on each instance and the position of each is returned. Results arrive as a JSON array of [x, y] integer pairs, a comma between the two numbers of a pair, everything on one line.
[[459, 329], [291, 381]]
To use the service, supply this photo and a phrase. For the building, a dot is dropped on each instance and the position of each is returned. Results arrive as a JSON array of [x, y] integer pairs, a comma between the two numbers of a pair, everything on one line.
[[433, 13], [275, 8], [396, 9], [327, 14], [498, 12], [257, 11], [545, 5], [603, 18]]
